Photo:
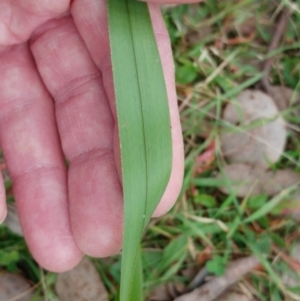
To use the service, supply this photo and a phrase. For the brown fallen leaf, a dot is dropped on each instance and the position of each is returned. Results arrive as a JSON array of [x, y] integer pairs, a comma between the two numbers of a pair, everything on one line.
[[83, 283], [257, 134], [204, 255], [12, 220], [244, 179], [218, 285], [14, 287], [205, 160]]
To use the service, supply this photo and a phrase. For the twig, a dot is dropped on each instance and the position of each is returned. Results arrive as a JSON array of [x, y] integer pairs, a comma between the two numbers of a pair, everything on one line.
[[214, 288], [279, 31]]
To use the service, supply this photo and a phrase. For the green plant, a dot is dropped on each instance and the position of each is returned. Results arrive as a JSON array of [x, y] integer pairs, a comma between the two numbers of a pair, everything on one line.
[[144, 128]]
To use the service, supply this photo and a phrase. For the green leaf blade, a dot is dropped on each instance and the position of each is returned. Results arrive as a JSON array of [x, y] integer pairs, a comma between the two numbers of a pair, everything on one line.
[[144, 124], [154, 102]]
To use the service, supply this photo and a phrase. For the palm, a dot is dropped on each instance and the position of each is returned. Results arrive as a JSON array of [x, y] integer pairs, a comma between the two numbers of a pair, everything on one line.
[[57, 101]]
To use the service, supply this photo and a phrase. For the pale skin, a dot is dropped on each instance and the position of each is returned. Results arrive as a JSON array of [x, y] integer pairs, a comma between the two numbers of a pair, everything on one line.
[[56, 102]]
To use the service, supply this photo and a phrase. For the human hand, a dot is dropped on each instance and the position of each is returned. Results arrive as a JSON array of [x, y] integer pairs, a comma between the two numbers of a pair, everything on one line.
[[56, 101]]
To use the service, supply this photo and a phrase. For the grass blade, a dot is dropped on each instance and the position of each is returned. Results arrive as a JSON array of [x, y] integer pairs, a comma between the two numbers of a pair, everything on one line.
[[143, 121], [267, 208]]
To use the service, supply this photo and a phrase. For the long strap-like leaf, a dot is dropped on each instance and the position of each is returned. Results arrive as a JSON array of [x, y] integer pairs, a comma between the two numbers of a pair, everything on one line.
[[143, 121]]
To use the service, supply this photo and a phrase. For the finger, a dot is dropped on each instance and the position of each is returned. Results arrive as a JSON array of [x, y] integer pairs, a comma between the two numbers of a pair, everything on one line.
[[3, 209], [91, 20], [31, 148], [86, 126], [19, 18]]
